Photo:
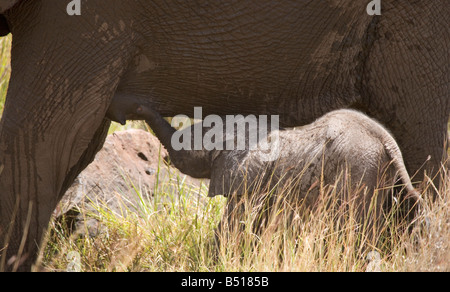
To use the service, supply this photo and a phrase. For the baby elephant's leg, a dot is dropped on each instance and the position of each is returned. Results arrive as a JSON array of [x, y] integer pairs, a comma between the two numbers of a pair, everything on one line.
[[228, 232], [230, 219]]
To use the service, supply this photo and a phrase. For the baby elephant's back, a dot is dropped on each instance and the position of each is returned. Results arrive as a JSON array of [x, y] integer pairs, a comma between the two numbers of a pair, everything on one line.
[[357, 143], [342, 147]]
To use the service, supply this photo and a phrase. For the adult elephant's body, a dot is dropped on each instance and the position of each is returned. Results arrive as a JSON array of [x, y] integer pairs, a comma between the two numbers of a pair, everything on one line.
[[298, 59]]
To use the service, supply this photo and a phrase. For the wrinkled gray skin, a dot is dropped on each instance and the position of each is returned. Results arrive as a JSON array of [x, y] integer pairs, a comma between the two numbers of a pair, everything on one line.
[[340, 142], [297, 59]]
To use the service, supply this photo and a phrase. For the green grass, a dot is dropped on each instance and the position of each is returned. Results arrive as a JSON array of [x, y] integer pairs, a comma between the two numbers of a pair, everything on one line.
[[5, 69], [166, 232]]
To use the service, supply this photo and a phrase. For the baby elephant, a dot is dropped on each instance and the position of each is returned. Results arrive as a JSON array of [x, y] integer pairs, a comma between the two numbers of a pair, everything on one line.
[[342, 142]]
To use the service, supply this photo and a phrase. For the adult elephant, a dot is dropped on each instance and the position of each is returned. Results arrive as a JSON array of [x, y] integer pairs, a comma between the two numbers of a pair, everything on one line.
[[299, 59]]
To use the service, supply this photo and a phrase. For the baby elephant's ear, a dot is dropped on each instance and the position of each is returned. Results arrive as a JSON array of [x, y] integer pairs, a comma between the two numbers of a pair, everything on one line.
[[7, 4], [221, 182], [229, 175], [218, 184]]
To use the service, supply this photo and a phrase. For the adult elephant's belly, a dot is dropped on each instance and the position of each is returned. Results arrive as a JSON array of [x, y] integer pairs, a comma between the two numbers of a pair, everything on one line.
[[291, 65]]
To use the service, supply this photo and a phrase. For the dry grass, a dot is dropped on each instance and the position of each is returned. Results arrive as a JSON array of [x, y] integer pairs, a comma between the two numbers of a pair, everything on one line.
[[176, 232]]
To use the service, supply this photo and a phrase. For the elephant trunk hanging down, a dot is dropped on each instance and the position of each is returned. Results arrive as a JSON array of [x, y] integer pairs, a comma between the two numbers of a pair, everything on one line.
[[296, 59]]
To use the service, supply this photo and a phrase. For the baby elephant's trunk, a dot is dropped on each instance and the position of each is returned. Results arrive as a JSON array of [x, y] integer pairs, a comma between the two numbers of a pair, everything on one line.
[[195, 163], [162, 129]]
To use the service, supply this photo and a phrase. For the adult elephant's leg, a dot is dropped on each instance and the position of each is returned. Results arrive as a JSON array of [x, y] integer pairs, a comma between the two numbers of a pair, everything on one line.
[[88, 156], [407, 80], [39, 164], [53, 123], [23, 225]]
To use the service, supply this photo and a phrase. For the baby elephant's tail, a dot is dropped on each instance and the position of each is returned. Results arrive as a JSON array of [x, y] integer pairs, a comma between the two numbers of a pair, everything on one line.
[[396, 157]]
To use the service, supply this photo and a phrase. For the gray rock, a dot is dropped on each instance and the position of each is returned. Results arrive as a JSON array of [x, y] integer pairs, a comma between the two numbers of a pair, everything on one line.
[[123, 173]]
